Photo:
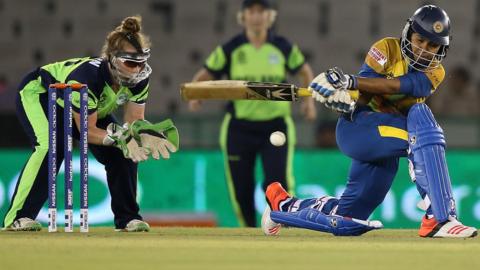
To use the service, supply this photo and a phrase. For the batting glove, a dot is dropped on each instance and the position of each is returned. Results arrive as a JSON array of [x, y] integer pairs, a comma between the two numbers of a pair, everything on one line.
[[329, 82], [340, 102]]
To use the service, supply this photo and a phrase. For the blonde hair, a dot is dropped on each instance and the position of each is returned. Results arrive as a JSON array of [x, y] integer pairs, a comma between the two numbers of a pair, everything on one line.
[[116, 39], [271, 17]]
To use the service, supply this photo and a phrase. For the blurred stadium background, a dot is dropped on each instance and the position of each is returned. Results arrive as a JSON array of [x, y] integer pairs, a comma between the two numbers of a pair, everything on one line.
[[190, 188]]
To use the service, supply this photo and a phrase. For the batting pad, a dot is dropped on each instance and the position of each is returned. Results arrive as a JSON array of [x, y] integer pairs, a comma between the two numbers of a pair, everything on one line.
[[313, 219], [427, 144]]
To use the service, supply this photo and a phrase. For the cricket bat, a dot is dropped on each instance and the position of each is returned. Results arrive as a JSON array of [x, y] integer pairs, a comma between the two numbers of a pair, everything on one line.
[[232, 90]]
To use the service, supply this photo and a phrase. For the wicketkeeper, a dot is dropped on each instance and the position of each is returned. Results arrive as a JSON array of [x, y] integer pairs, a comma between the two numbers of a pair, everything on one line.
[[118, 78]]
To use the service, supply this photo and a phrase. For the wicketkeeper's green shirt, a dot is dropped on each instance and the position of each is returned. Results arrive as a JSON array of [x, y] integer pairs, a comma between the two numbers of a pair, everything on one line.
[[95, 74]]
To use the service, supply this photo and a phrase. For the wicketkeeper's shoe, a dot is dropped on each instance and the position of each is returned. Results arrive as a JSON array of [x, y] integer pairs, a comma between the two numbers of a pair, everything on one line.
[[451, 228], [24, 224], [269, 227], [135, 225], [275, 195]]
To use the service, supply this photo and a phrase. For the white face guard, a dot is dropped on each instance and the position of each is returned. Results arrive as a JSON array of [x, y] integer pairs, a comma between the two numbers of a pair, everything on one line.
[[130, 60], [424, 60]]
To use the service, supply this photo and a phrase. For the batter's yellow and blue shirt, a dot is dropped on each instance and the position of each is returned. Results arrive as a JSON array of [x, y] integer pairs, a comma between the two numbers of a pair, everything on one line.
[[238, 59], [384, 59], [95, 74]]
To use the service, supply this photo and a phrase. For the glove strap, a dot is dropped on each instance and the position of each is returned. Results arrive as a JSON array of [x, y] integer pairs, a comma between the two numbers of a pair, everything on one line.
[[352, 82], [108, 140]]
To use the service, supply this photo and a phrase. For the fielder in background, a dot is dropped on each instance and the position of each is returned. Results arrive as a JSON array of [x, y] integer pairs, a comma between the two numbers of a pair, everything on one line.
[[119, 77], [257, 54], [390, 121]]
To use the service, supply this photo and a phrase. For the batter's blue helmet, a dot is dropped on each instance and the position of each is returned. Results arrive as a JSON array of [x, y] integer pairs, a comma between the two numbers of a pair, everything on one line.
[[430, 22]]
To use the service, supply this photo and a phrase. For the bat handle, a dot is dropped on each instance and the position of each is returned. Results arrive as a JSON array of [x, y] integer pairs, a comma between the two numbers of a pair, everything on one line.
[[303, 92]]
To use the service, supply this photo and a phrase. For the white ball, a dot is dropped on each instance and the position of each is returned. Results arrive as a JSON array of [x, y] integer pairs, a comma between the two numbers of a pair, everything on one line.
[[278, 138]]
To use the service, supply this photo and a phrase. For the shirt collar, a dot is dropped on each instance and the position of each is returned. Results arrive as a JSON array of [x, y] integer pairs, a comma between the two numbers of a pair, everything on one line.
[[270, 36]]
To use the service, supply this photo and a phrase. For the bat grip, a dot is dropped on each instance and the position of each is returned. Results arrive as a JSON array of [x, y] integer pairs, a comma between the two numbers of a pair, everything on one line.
[[303, 92]]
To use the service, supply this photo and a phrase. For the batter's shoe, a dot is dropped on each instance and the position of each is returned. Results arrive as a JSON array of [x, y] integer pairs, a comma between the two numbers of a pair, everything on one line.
[[275, 195], [451, 228], [269, 227]]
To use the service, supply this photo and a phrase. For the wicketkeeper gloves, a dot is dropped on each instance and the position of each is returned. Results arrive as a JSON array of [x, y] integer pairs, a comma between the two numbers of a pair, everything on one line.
[[141, 138], [160, 139], [119, 136]]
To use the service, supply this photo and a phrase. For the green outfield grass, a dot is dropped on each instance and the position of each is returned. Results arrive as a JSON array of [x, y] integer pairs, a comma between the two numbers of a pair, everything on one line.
[[224, 248]]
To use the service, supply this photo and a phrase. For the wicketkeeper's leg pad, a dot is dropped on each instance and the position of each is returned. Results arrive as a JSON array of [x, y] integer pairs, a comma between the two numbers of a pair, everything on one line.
[[315, 220], [427, 146]]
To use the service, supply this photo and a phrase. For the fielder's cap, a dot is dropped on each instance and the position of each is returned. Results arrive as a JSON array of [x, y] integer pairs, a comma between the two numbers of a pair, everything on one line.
[[249, 3]]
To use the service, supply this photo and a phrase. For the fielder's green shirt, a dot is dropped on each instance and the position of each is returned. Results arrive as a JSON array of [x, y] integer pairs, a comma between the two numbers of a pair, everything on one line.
[[95, 74], [238, 59]]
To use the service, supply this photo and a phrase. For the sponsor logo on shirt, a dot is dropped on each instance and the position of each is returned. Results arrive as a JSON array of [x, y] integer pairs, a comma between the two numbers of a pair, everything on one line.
[[122, 99], [378, 56], [273, 59]]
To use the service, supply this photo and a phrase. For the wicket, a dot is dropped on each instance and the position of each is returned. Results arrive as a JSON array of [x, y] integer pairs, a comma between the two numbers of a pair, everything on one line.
[[68, 147]]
